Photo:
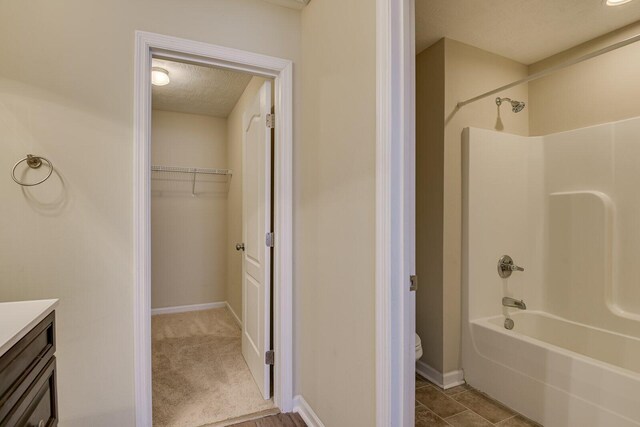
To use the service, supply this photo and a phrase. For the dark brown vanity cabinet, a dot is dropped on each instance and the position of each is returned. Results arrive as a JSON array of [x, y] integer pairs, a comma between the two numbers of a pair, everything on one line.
[[28, 379]]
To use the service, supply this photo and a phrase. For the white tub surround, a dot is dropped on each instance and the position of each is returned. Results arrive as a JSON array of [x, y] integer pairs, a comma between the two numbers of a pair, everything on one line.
[[18, 318], [564, 207]]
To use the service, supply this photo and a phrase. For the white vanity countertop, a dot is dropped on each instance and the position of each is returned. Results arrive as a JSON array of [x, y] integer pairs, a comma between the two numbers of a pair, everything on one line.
[[18, 318]]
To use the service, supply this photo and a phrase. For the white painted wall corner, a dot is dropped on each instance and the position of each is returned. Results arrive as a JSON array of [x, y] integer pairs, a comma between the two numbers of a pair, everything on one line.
[[445, 381], [395, 212], [301, 407]]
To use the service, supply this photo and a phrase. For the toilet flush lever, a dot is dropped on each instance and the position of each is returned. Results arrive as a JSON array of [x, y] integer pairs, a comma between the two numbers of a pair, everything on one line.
[[506, 266]]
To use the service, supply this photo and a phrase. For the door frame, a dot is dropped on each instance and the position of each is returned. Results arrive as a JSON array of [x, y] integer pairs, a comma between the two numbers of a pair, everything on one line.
[[395, 213], [281, 70]]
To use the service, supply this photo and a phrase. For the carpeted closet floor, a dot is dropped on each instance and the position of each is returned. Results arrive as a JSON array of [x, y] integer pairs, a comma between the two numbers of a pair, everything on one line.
[[199, 374]]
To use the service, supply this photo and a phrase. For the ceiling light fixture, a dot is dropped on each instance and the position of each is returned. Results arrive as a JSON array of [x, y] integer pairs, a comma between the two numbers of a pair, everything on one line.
[[159, 76], [616, 2]]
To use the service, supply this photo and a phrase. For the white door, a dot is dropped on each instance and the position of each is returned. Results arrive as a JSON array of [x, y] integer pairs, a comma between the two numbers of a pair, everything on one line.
[[256, 265]]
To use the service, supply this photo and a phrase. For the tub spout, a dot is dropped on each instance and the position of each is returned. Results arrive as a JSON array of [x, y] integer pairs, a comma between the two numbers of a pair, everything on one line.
[[515, 303]]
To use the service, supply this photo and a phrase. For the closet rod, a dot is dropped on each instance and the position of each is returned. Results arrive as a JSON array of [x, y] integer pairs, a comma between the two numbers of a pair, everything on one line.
[[553, 69]]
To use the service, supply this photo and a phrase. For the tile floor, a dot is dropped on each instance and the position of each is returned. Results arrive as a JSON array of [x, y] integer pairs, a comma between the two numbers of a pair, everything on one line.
[[462, 406]]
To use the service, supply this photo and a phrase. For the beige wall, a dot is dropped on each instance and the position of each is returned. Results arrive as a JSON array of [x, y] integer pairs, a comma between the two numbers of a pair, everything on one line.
[[234, 206], [188, 234], [468, 71], [601, 90], [335, 213], [429, 198], [66, 88]]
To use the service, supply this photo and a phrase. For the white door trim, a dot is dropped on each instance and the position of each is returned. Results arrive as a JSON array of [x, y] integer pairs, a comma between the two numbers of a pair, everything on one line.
[[281, 70], [395, 213]]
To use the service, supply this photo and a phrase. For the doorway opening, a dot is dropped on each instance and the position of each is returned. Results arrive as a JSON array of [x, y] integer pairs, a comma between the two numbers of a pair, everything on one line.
[[213, 248], [211, 205]]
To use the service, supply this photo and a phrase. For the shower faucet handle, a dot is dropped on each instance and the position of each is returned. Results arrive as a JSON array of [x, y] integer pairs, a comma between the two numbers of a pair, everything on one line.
[[506, 266]]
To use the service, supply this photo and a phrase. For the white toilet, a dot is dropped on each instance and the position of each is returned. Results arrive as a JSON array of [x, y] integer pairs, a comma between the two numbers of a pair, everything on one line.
[[418, 348]]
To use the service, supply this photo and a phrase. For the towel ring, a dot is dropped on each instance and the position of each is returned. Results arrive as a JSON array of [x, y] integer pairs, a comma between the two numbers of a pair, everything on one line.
[[34, 162]]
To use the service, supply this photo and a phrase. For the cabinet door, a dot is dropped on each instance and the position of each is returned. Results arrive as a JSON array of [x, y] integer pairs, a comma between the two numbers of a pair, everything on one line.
[[38, 407], [23, 363]]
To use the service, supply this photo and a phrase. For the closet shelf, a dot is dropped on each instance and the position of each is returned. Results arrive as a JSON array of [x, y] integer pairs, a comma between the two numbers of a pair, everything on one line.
[[193, 172], [206, 171]]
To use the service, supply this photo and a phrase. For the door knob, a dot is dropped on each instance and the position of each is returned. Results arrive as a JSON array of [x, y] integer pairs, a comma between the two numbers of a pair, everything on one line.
[[239, 246]]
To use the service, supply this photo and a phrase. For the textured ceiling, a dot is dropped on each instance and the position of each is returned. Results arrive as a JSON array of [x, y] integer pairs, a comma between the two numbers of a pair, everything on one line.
[[198, 90], [523, 30]]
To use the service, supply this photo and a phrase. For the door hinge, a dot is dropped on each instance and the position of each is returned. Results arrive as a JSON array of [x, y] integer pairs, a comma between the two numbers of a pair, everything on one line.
[[269, 240], [269, 357], [414, 283], [271, 121]]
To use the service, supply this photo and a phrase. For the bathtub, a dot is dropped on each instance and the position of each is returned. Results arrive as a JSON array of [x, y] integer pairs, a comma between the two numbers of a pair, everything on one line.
[[560, 207], [557, 372]]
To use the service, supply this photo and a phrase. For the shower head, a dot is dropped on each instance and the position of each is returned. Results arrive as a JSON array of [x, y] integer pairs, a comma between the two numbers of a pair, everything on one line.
[[516, 106]]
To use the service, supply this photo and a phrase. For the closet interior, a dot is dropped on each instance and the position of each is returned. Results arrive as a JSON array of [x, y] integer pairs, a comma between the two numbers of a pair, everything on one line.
[[199, 125]]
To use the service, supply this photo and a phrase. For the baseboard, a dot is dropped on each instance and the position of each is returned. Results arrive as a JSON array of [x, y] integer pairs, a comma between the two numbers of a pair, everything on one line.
[[233, 313], [453, 379], [429, 373], [308, 415], [445, 381], [185, 308]]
